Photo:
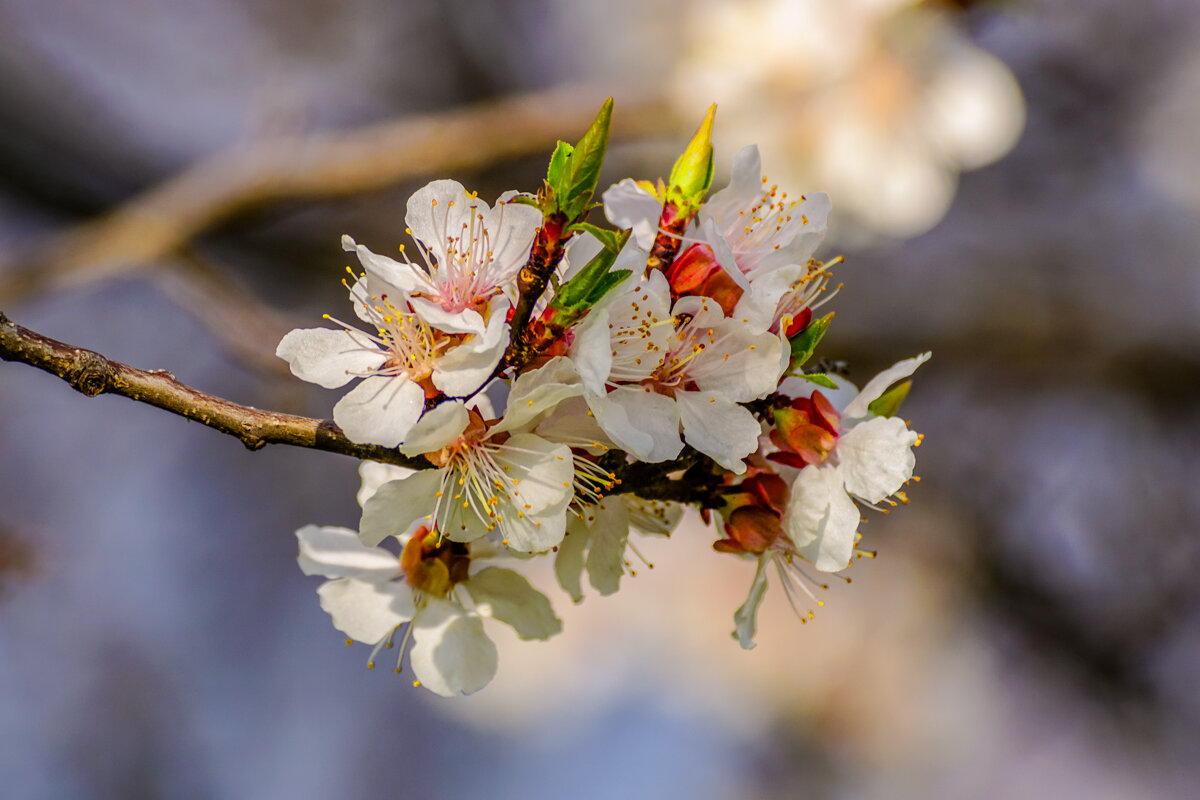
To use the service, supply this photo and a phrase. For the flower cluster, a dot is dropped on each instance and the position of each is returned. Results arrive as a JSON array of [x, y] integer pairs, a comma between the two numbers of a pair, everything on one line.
[[556, 386]]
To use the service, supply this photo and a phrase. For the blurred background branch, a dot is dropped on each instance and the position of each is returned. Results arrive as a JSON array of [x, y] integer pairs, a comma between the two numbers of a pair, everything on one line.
[[159, 221]]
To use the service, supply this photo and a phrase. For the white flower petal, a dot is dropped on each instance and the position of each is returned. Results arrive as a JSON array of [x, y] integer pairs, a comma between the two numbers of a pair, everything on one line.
[[876, 457], [507, 596], [857, 408], [433, 314], [511, 230], [745, 619], [757, 306], [537, 391], [742, 365], [338, 553], [374, 474], [460, 524], [628, 205], [366, 612], [821, 519], [464, 368], [813, 215], [719, 428], [437, 428], [403, 276], [436, 213], [591, 351], [571, 422], [380, 410], [606, 548], [535, 533], [724, 253], [450, 652], [745, 185], [534, 513], [329, 358], [393, 509], [643, 423], [580, 250], [568, 561], [545, 472]]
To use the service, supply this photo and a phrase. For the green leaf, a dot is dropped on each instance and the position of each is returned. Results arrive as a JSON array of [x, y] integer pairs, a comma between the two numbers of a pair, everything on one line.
[[612, 240], [804, 343], [557, 172], [888, 403], [574, 171], [819, 378], [587, 288]]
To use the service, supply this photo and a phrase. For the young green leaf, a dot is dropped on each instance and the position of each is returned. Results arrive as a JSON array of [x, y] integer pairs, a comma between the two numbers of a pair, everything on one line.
[[692, 174], [819, 378], [575, 170], [806, 341], [888, 403], [591, 284], [556, 176], [612, 240]]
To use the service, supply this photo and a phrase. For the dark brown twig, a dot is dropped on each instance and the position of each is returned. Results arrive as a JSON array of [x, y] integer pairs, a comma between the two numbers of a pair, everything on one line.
[[91, 374]]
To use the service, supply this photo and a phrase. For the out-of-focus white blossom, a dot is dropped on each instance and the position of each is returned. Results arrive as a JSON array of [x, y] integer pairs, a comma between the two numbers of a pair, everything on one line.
[[880, 103]]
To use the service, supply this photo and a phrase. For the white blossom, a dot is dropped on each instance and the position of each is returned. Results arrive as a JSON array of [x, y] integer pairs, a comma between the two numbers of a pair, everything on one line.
[[369, 596], [470, 255], [516, 485], [648, 369], [440, 325], [870, 461]]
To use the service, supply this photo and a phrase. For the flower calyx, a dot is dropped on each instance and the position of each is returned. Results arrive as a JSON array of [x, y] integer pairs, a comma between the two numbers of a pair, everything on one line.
[[806, 431], [433, 564]]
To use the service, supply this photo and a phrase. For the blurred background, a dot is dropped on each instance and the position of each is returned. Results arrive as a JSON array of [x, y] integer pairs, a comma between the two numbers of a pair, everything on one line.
[[1015, 187]]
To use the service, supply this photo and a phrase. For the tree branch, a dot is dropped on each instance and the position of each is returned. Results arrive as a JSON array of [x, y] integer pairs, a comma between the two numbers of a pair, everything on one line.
[[91, 374]]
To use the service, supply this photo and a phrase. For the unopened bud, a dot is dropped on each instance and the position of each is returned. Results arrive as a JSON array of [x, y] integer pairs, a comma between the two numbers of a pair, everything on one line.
[[692, 174]]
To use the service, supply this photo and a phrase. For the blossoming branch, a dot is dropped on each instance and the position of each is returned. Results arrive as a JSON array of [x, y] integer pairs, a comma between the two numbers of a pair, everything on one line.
[[525, 383]]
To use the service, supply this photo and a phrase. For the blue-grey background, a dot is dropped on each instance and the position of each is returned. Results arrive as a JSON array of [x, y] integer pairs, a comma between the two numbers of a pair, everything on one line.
[[1030, 630]]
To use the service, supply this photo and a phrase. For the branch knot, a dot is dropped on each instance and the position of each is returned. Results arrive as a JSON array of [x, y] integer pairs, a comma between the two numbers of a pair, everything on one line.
[[92, 373]]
